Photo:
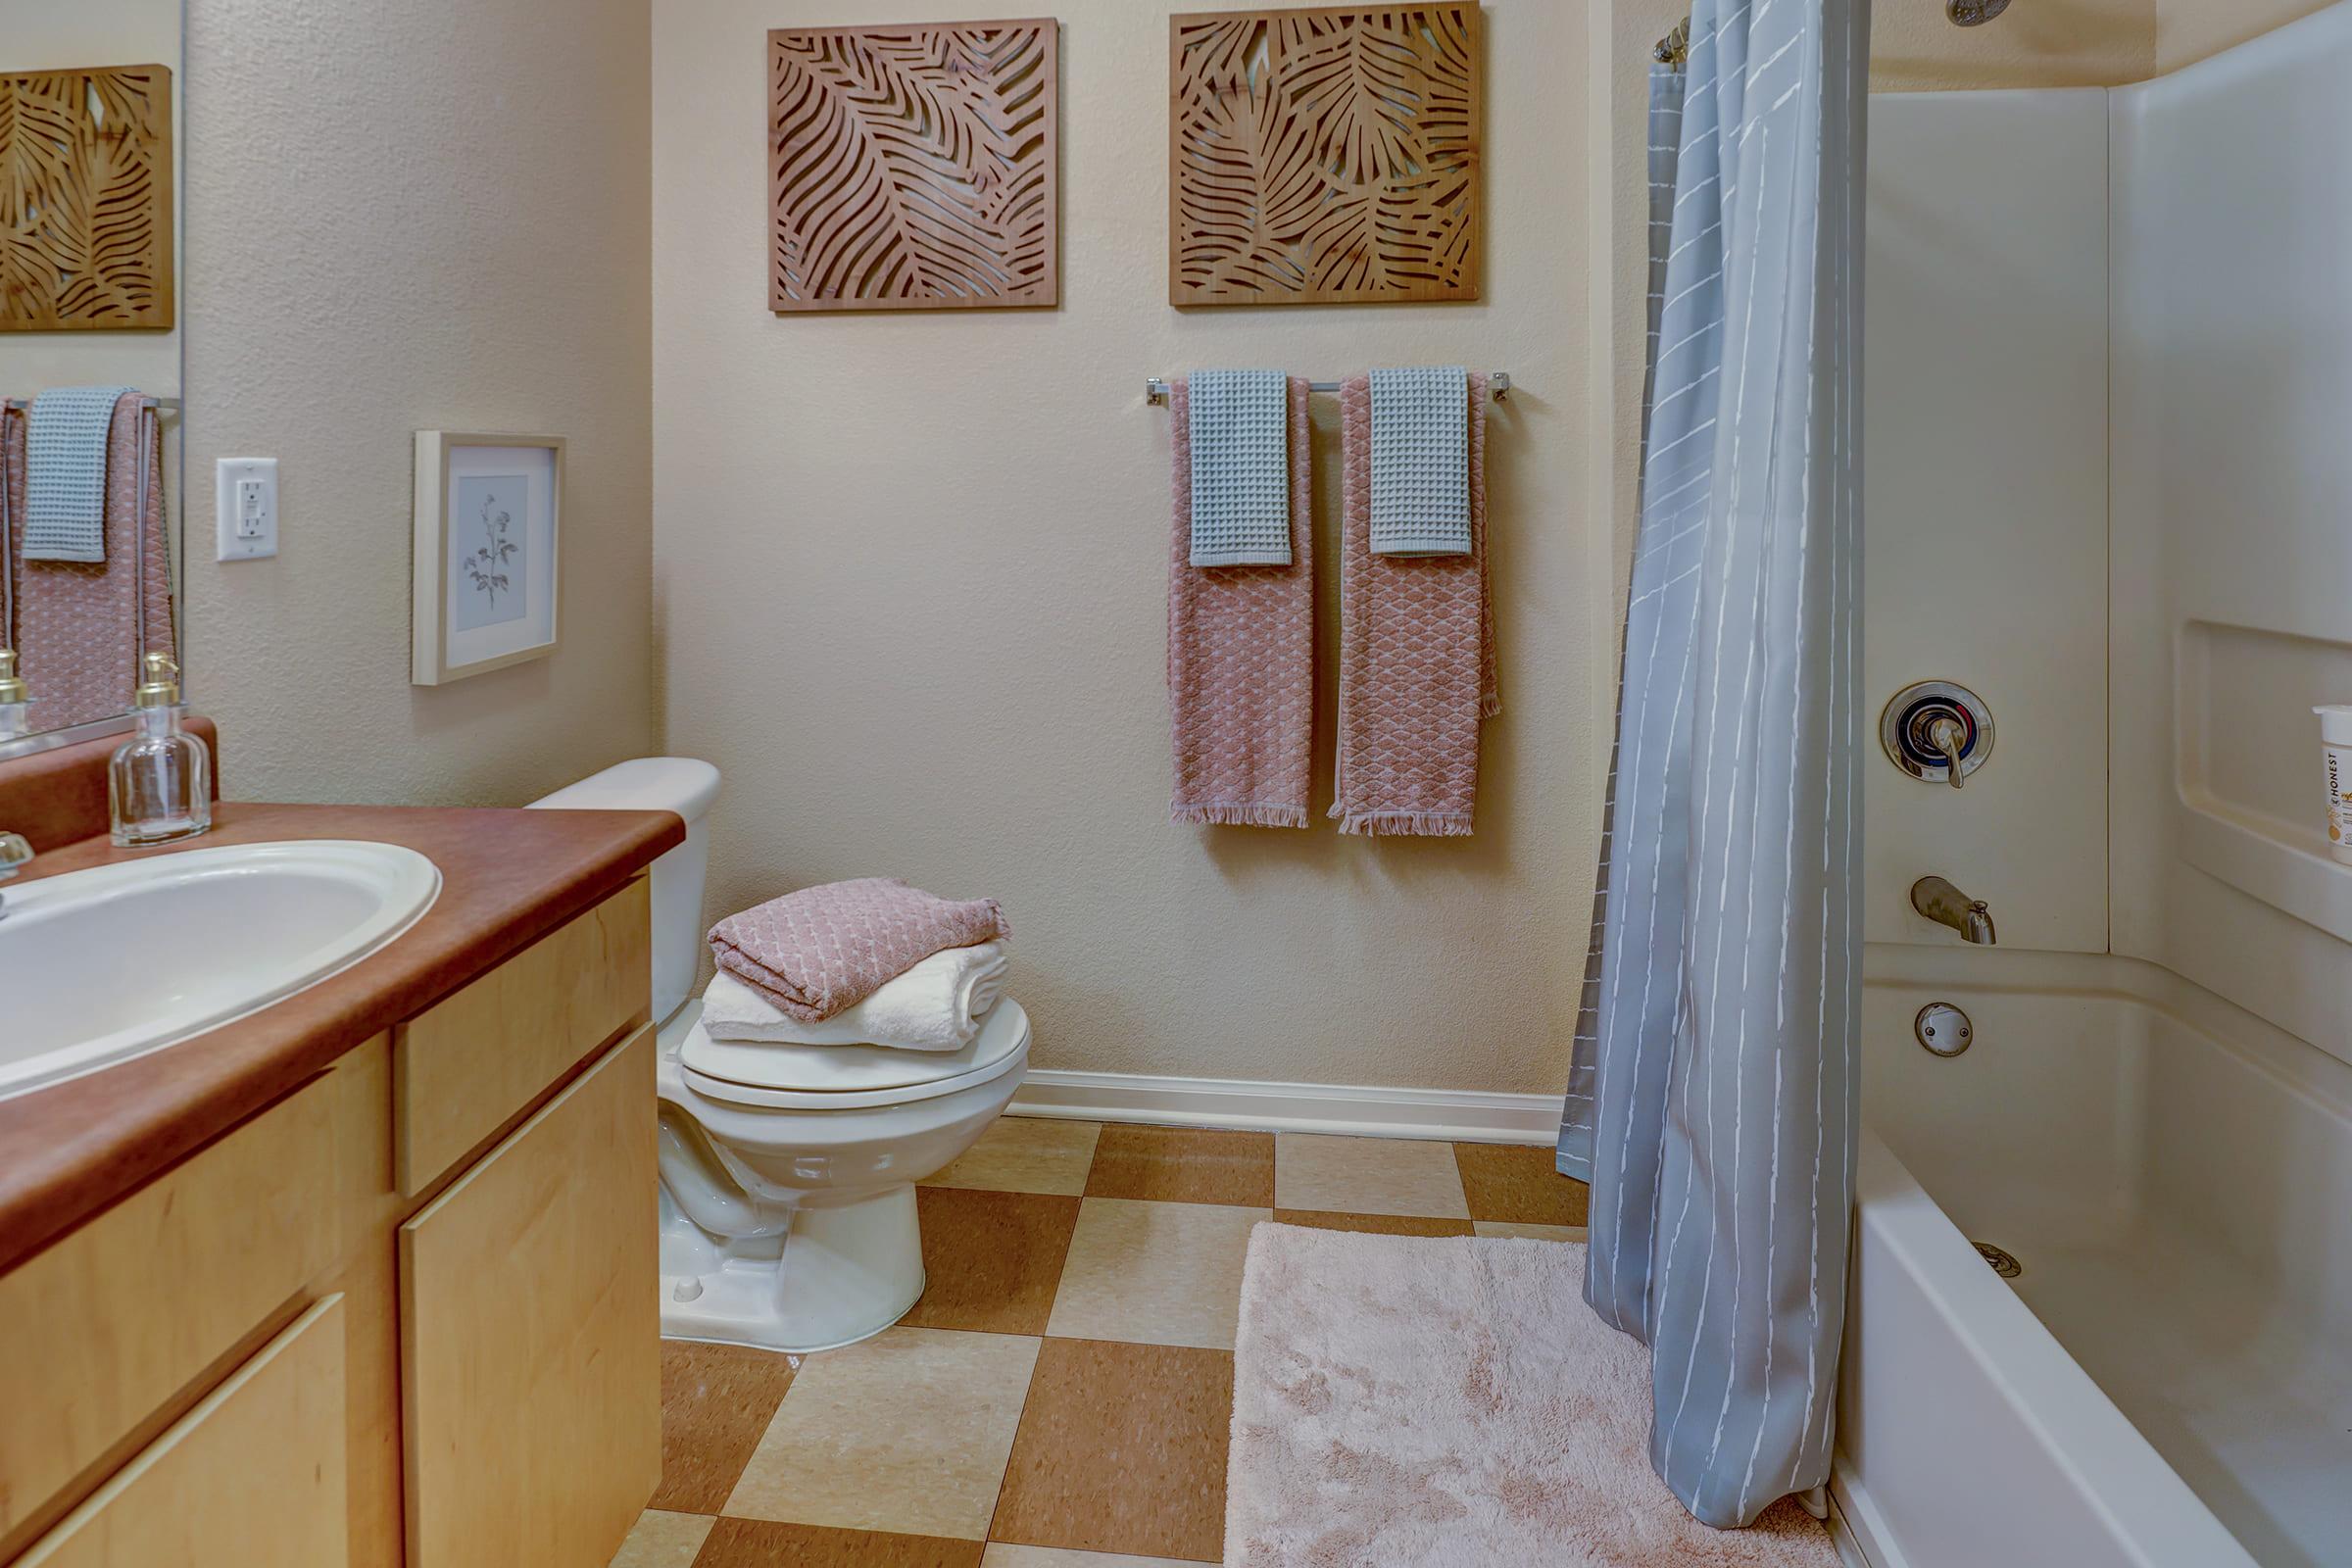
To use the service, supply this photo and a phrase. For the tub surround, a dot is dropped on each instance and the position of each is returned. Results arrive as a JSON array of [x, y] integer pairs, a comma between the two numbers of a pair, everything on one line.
[[508, 878]]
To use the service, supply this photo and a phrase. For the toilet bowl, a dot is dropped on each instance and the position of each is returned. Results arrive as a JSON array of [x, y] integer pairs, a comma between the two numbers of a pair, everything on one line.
[[788, 1172]]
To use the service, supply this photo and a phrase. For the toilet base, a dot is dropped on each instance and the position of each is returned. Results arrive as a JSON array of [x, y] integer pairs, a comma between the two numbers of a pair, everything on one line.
[[843, 1272]]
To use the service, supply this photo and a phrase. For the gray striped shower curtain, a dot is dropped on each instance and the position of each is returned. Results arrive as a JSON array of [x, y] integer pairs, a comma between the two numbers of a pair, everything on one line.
[[1712, 1102]]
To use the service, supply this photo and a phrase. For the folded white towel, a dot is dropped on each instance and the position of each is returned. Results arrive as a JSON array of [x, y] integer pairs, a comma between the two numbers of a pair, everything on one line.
[[936, 1005]]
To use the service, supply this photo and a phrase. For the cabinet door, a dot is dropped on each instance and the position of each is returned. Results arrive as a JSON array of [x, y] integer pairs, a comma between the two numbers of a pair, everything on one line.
[[530, 1336], [251, 1478], [124, 1317]]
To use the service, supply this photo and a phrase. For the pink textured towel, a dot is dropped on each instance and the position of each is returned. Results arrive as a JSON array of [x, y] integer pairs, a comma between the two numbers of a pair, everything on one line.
[[1242, 657], [76, 622], [1416, 651], [824, 949]]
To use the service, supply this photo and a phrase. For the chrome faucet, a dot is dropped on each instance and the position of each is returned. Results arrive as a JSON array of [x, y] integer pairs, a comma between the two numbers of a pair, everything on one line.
[[1946, 904], [14, 855]]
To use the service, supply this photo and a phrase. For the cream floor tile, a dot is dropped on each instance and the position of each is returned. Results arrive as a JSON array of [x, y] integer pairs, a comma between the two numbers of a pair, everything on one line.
[[664, 1541], [1154, 1273], [1026, 1155], [1367, 1176], [1000, 1556], [1539, 1233], [907, 1433]]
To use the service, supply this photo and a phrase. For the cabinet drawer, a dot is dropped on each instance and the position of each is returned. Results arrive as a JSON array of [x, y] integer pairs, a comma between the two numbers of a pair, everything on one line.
[[460, 1070], [251, 1478], [109, 1325], [531, 1335]]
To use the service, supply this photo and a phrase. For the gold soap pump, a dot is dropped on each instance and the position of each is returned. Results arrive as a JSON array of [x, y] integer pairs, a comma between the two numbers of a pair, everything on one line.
[[159, 787]]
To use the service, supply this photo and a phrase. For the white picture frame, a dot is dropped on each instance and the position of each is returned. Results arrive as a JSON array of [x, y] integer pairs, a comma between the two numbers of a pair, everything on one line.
[[486, 575]]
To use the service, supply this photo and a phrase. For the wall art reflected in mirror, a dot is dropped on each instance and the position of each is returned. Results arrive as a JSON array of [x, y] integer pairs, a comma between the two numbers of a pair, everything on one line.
[[91, 491]]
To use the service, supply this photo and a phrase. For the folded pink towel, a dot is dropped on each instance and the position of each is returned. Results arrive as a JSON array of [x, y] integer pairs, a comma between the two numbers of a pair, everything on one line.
[[1416, 651], [1241, 658], [824, 948]]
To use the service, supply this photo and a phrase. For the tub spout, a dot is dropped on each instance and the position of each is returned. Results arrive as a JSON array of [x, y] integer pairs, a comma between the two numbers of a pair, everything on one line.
[[1946, 904]]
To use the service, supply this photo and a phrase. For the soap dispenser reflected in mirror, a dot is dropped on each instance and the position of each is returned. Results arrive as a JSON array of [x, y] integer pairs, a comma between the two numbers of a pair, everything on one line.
[[159, 788]]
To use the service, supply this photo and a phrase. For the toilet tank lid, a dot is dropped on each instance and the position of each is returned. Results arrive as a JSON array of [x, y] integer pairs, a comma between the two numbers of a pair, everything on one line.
[[685, 785]]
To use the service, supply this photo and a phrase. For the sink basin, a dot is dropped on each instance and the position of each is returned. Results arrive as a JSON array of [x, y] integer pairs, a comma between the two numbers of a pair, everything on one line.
[[101, 965]]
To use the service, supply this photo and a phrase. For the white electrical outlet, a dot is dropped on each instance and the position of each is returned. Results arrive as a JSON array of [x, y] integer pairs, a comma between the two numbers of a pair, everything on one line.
[[245, 501]]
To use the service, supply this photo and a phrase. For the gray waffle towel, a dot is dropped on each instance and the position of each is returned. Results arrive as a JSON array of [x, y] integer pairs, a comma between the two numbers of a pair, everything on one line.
[[1241, 436], [1421, 461], [64, 473]]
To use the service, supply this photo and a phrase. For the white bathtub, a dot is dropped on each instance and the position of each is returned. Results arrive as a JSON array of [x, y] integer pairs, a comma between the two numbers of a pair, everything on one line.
[[2169, 1382]]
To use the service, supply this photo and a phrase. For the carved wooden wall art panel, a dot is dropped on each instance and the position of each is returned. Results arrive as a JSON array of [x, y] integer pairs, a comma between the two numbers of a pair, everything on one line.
[[86, 199], [1323, 157], [914, 168]]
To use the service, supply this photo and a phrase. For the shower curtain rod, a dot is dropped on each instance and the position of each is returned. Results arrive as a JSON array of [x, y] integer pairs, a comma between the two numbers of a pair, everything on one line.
[[1498, 382], [1675, 48]]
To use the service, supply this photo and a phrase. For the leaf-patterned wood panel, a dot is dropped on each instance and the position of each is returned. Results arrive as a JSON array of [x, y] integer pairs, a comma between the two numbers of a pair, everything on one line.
[[914, 168], [1323, 157], [86, 199]]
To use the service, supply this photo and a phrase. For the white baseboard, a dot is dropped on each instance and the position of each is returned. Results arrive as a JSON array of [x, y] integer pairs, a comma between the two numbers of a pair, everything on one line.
[[1858, 1523], [1357, 1109]]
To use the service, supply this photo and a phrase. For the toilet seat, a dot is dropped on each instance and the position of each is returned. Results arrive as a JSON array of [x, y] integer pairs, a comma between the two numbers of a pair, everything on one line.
[[850, 1077]]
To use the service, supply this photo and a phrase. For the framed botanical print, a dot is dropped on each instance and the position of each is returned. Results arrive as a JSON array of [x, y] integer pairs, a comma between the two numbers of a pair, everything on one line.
[[485, 574]]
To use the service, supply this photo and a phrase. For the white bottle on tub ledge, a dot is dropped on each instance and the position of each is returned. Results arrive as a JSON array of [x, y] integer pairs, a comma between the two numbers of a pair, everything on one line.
[[2335, 758]]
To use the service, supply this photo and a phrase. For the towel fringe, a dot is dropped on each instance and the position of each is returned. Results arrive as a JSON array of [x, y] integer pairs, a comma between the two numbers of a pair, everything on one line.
[[1490, 705], [1238, 816], [1426, 824]]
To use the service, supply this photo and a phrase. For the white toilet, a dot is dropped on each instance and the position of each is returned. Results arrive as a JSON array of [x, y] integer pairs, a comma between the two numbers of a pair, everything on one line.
[[788, 1172]]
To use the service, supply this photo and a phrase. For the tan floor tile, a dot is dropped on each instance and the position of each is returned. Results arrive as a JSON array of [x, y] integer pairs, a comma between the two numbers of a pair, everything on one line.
[[1183, 1165], [1519, 1181], [716, 1402], [1122, 1449], [1026, 1155], [763, 1543], [1000, 1555], [1536, 1233], [1367, 1176], [905, 1433], [1377, 1224], [992, 1259], [1154, 1273], [662, 1540]]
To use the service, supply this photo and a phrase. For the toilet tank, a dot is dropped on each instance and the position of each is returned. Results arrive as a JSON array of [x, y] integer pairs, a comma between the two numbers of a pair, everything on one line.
[[680, 784]]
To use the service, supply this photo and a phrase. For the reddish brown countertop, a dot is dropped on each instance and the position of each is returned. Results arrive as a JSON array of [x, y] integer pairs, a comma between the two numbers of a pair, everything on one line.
[[507, 879]]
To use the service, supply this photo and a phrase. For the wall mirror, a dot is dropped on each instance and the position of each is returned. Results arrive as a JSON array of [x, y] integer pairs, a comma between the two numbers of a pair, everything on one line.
[[91, 176]]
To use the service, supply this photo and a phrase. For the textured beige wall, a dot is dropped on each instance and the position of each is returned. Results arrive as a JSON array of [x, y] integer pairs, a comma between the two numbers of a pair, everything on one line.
[[406, 217], [911, 574], [2187, 30]]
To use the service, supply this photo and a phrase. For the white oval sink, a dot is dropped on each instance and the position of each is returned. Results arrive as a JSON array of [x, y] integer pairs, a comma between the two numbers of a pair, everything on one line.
[[101, 965]]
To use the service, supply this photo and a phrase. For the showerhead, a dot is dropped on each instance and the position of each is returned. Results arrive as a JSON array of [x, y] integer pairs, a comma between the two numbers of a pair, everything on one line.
[[1974, 13]]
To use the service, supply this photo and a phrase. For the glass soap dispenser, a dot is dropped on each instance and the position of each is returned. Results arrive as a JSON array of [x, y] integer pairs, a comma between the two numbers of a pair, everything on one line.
[[13, 698], [159, 787]]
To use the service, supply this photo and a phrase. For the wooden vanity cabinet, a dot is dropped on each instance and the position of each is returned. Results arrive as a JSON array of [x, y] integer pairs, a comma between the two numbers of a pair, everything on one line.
[[407, 1317]]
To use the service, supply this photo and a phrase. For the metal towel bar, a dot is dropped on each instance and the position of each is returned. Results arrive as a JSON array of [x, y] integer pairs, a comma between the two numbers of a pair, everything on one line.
[[1498, 382]]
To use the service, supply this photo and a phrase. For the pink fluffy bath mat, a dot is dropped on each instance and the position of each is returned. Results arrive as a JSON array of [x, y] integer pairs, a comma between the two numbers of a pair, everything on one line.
[[1451, 1403]]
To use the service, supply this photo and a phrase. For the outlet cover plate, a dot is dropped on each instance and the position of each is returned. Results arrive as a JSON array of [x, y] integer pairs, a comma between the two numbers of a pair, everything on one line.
[[245, 507]]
